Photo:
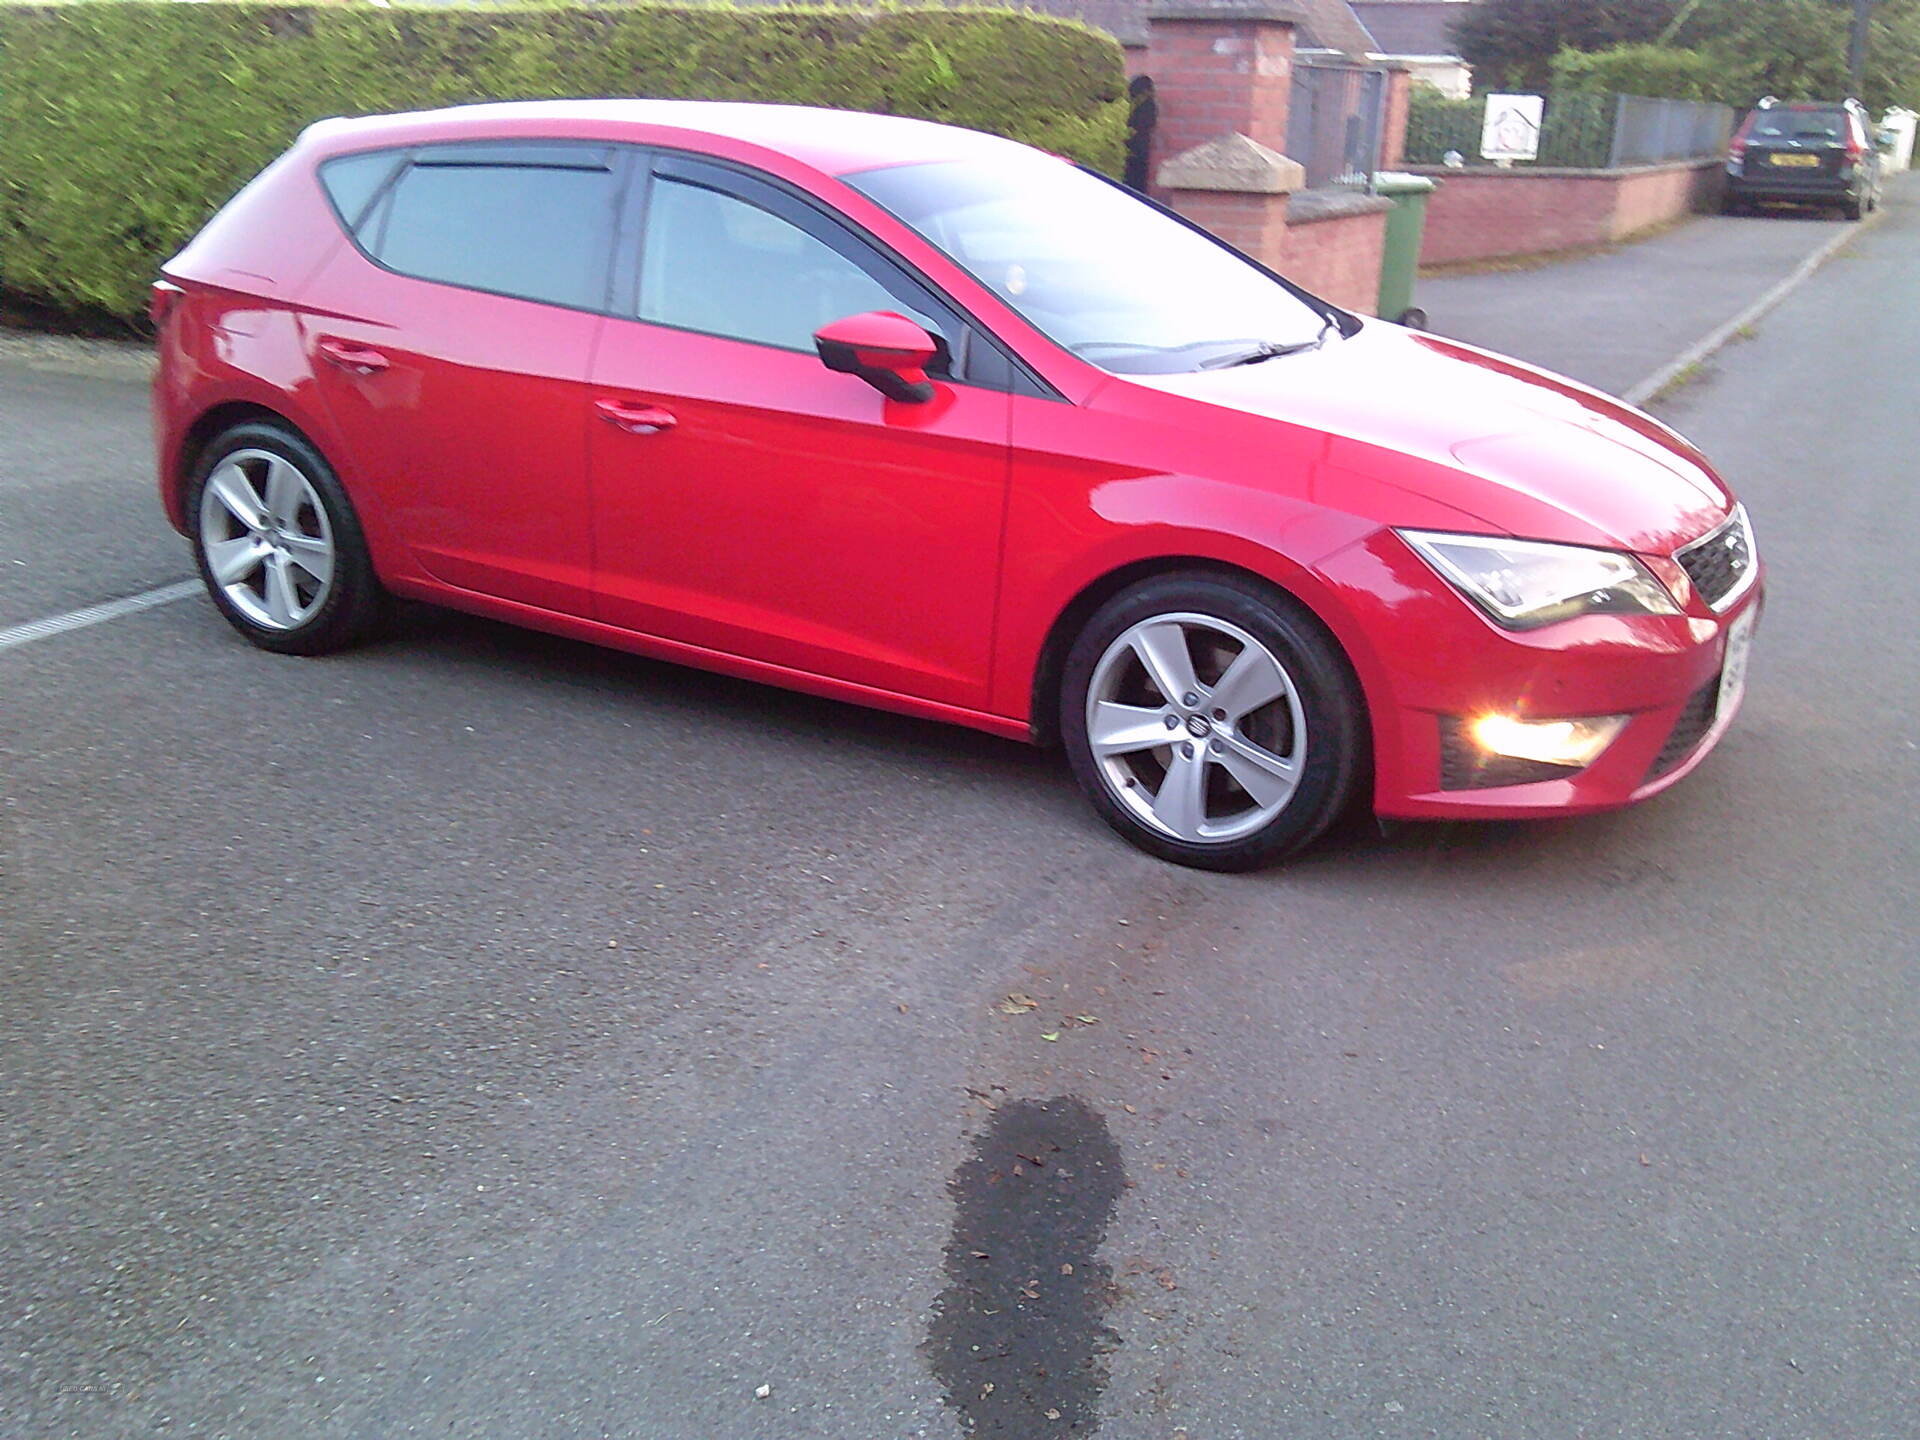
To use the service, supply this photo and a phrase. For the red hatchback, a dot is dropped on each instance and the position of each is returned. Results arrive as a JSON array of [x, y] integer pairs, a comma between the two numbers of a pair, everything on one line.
[[919, 418]]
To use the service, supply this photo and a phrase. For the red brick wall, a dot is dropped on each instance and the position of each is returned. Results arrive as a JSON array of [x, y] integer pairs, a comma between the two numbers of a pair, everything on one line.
[[1393, 130], [1337, 258], [1483, 214], [1255, 225]]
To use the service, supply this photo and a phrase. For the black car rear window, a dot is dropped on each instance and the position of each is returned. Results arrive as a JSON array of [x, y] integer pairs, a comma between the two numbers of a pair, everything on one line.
[[1800, 125]]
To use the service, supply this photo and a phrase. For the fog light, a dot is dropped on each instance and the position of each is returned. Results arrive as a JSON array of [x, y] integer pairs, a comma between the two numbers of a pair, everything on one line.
[[1551, 742]]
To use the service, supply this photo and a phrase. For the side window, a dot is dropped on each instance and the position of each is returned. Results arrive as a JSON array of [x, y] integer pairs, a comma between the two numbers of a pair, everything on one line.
[[351, 181], [721, 265], [536, 230]]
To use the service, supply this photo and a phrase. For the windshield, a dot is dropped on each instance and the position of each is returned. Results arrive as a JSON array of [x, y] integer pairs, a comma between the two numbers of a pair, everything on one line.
[[1093, 268]]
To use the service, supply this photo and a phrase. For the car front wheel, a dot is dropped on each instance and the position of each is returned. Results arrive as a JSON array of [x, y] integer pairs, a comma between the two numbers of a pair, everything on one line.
[[278, 544], [1212, 721]]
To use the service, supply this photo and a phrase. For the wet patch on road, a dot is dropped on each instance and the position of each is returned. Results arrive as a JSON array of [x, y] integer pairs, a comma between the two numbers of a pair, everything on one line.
[[1018, 1338]]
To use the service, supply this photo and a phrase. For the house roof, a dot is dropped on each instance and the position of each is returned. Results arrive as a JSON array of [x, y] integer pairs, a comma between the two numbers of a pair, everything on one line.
[[1411, 27]]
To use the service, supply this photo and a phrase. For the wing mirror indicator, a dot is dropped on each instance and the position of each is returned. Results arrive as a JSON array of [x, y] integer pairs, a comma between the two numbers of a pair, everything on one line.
[[888, 351]]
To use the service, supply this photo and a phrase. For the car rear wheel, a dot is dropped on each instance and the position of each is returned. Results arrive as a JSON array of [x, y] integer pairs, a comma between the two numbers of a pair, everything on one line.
[[278, 544], [1211, 721]]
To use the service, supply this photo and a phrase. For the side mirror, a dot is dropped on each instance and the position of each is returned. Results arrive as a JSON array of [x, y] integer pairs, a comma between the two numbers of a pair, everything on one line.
[[886, 350]]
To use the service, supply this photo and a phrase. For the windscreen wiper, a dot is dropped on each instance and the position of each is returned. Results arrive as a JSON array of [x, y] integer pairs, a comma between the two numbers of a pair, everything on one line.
[[1268, 350]]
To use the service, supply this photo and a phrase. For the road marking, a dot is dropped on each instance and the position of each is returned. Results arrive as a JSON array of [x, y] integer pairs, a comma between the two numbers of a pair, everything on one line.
[[17, 635]]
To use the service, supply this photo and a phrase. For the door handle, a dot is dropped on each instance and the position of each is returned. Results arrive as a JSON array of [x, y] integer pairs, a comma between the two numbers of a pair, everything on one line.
[[354, 359], [635, 417]]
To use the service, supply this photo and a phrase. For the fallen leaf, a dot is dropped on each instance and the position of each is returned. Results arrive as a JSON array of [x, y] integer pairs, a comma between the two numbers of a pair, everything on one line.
[[1018, 1004], [986, 1389], [1066, 1269], [1051, 1035], [1129, 1109], [763, 1392], [1055, 1414], [1088, 1019]]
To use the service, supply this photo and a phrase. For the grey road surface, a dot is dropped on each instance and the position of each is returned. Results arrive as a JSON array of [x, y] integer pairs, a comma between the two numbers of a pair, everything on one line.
[[483, 1036], [1614, 318]]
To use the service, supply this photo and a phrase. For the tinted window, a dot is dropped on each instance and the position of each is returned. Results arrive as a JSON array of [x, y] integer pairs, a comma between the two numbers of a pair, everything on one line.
[[722, 266], [536, 231], [351, 180]]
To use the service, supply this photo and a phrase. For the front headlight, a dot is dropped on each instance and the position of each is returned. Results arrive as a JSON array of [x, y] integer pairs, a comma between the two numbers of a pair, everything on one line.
[[1524, 584]]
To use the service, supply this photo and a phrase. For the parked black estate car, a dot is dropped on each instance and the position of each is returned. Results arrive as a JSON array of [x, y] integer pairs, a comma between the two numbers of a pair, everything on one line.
[[1814, 152]]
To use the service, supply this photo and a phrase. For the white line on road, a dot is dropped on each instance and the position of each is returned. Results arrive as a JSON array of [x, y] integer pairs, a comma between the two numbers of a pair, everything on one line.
[[18, 635]]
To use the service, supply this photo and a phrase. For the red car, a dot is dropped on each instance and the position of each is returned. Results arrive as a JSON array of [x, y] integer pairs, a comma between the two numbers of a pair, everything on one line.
[[919, 418]]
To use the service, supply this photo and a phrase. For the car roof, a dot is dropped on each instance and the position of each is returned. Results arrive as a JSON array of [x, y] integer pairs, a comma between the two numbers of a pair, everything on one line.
[[837, 142]]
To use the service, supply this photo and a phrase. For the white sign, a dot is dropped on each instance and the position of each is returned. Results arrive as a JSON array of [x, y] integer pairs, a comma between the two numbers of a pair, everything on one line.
[[1511, 130]]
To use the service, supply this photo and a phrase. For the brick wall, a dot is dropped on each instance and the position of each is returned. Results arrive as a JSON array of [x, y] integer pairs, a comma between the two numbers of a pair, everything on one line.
[[1337, 255], [1482, 214], [1218, 77], [1255, 225]]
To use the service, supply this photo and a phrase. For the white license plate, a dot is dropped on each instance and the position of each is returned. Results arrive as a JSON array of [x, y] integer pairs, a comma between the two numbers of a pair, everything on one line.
[[1733, 665]]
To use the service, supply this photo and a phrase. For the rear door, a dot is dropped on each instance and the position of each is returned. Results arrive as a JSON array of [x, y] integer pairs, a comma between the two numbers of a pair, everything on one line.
[[452, 343], [781, 512]]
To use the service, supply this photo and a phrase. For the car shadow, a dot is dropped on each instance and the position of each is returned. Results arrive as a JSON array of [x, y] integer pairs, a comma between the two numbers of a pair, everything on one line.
[[1357, 849]]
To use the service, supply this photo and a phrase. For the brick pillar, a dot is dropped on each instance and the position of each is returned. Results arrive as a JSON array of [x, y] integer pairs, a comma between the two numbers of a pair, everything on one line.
[[1393, 135], [1237, 188], [1220, 67]]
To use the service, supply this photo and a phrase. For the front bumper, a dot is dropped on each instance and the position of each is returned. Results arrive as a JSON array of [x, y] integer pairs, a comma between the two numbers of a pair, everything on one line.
[[1438, 662]]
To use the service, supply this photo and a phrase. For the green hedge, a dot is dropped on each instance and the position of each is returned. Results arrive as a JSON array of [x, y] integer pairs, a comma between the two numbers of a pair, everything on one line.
[[124, 126]]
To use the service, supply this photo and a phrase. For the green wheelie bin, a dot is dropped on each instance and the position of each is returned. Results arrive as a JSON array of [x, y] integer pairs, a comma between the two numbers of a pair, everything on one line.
[[1400, 258]]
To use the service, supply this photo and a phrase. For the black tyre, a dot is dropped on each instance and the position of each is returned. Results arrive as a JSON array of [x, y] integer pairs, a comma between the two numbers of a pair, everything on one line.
[[1212, 721], [1853, 208], [278, 544]]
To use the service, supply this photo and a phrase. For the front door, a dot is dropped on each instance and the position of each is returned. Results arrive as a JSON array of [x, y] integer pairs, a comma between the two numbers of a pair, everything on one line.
[[779, 511]]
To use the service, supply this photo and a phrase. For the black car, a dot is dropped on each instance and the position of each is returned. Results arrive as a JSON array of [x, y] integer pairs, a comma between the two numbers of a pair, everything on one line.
[[1813, 152]]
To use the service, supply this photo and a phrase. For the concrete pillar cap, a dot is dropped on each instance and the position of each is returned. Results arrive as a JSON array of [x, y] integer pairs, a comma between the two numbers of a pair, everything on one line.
[[1232, 162]]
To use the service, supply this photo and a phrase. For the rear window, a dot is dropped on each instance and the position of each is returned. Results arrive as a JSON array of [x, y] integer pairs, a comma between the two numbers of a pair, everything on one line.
[[536, 225], [1814, 125]]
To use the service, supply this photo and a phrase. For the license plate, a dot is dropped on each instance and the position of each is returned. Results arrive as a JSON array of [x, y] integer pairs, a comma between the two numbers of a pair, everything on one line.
[[1733, 666], [1805, 161]]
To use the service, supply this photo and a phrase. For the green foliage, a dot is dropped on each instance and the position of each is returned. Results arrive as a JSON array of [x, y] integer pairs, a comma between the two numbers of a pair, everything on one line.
[[1665, 71], [125, 126], [1797, 49], [1511, 43], [1733, 51]]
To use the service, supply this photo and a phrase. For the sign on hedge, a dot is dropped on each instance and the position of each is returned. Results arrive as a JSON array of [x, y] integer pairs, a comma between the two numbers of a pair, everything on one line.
[[125, 126]]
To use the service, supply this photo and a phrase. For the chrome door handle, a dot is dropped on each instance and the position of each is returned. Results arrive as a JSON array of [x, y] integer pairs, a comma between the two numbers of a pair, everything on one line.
[[634, 417], [353, 358]]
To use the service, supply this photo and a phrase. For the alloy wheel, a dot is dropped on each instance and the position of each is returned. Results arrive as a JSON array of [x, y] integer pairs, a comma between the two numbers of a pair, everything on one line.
[[1196, 727], [266, 538]]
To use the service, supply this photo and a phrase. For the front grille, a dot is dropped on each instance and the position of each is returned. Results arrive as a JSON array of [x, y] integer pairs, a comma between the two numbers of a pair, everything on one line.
[[1696, 719], [1720, 563], [1465, 766]]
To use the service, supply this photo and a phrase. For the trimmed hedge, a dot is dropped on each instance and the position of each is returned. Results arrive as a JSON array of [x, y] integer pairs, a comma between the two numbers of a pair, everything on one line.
[[124, 126]]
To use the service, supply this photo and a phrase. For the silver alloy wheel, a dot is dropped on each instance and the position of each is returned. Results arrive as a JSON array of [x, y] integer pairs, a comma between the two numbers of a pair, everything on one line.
[[1196, 727], [266, 538]]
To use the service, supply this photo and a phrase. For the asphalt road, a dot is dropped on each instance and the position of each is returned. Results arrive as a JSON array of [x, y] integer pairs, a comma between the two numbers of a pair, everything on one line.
[[483, 1036], [1613, 318]]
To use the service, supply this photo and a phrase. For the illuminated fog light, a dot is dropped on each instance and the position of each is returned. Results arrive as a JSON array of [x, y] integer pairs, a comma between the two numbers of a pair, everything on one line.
[[1552, 742]]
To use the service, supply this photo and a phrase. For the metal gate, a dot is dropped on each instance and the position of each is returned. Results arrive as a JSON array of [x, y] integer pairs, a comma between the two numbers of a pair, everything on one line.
[[1335, 119]]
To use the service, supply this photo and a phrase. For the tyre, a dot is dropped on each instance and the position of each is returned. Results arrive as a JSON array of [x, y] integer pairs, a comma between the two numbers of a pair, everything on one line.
[[1212, 721], [1852, 208], [278, 544]]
